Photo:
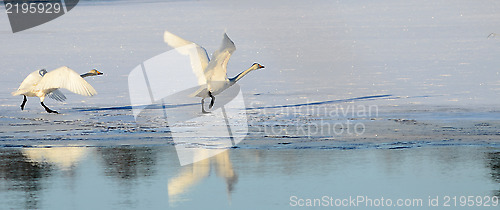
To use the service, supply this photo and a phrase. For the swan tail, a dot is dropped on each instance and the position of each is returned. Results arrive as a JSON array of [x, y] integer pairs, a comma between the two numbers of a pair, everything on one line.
[[18, 92]]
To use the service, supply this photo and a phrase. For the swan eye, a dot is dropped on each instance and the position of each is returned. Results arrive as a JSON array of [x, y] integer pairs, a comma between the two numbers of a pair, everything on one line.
[[258, 65], [42, 72]]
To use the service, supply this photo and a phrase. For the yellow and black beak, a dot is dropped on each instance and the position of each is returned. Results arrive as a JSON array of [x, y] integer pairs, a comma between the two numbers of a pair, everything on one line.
[[261, 66]]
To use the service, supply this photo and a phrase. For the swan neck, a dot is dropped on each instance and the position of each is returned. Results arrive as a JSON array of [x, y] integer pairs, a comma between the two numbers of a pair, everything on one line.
[[86, 75], [240, 75]]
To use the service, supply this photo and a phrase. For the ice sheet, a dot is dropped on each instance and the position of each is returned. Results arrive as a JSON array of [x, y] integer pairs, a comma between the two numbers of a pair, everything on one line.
[[424, 55]]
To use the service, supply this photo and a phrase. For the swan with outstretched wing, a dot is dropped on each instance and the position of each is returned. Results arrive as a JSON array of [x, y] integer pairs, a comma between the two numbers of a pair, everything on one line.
[[42, 83], [211, 73]]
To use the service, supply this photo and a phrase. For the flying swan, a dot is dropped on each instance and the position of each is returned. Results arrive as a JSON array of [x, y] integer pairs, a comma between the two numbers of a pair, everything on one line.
[[42, 83], [213, 80]]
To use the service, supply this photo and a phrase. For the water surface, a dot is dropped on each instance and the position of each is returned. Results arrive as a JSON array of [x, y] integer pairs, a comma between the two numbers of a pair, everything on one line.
[[150, 177]]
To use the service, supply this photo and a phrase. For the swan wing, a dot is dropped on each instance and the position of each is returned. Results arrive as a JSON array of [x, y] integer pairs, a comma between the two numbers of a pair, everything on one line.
[[57, 95], [64, 77], [199, 58], [217, 68], [28, 83]]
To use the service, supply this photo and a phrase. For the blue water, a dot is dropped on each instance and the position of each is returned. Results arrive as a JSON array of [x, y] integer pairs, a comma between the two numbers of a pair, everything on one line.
[[150, 177]]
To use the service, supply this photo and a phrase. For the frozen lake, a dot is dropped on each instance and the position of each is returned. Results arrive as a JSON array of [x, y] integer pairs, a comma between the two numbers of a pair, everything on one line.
[[422, 52], [357, 98], [428, 63]]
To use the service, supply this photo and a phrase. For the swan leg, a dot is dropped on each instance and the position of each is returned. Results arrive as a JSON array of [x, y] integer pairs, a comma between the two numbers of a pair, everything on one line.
[[24, 102], [212, 101], [203, 108], [48, 110]]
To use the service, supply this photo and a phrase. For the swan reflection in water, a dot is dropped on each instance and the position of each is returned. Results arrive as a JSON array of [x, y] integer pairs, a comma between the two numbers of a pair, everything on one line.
[[24, 172], [65, 158], [193, 174], [127, 163], [31, 178]]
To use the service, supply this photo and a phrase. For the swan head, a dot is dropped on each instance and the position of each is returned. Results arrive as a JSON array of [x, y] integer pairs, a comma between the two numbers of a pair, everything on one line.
[[42, 72], [94, 72], [256, 66]]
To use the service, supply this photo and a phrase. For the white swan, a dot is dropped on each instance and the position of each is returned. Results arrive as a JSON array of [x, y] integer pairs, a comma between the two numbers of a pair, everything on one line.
[[40, 84], [213, 79]]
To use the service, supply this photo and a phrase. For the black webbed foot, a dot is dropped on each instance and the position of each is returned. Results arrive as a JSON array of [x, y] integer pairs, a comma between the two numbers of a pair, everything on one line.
[[49, 110]]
